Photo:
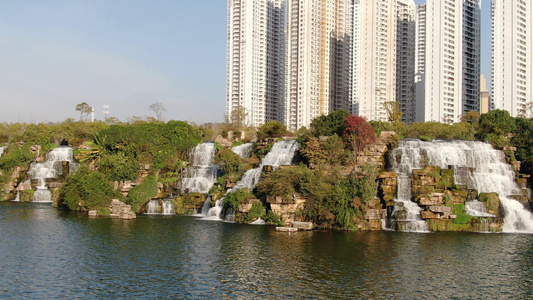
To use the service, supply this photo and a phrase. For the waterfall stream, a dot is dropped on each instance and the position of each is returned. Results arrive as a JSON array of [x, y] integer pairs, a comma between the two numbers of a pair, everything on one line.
[[2, 150], [160, 207], [282, 153], [51, 168], [475, 164], [203, 174], [244, 150]]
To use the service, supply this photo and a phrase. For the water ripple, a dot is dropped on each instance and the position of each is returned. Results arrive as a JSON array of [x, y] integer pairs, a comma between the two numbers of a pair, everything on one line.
[[48, 253]]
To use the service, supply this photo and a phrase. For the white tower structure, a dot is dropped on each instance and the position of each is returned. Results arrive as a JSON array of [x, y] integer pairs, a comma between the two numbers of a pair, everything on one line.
[[255, 60], [452, 59], [512, 56]]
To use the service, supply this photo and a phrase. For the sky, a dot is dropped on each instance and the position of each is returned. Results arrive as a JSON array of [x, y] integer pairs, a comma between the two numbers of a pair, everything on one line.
[[127, 54]]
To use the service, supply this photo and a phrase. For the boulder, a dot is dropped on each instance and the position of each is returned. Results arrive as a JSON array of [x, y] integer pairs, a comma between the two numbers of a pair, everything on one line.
[[375, 214], [121, 210], [35, 150], [431, 199], [440, 209], [302, 225], [429, 215]]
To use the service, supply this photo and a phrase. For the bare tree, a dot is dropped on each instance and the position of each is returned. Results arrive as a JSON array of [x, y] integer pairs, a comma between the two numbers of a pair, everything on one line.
[[158, 109], [85, 110], [238, 116], [394, 114]]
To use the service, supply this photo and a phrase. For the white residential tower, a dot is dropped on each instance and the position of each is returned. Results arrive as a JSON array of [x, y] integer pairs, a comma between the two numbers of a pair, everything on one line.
[[512, 56]]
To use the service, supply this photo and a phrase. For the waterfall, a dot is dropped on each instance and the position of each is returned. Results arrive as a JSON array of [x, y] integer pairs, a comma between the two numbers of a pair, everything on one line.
[[160, 207], [203, 174], [244, 150], [475, 164], [2, 150], [49, 169], [282, 153], [477, 209], [17, 197]]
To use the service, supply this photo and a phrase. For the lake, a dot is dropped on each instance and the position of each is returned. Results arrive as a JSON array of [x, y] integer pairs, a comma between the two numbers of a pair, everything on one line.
[[49, 253]]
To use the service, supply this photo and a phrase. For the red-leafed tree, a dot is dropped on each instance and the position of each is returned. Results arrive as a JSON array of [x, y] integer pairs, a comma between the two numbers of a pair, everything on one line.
[[358, 133]]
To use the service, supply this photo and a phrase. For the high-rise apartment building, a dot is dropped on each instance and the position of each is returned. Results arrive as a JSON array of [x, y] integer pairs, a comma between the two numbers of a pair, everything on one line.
[[420, 62], [512, 56], [318, 52], [382, 57], [255, 61], [452, 59], [405, 58]]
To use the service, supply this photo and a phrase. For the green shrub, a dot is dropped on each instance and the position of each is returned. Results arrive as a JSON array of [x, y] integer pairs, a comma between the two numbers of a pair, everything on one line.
[[229, 161], [257, 211], [458, 210], [233, 199], [142, 193], [85, 190], [333, 123], [271, 129], [274, 219], [15, 155], [237, 143], [283, 182], [119, 167]]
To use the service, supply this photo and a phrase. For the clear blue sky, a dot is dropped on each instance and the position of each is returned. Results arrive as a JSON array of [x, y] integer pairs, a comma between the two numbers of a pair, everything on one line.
[[127, 54]]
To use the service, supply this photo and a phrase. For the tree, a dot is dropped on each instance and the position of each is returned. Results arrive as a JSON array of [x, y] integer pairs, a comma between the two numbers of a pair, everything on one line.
[[271, 129], [394, 114], [497, 122], [158, 109], [84, 110], [330, 124], [238, 116], [358, 133], [471, 117]]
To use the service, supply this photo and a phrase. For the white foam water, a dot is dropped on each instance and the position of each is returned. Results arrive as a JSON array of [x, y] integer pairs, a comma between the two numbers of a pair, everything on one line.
[[51, 168], [160, 207], [282, 153], [486, 168], [244, 150], [202, 175]]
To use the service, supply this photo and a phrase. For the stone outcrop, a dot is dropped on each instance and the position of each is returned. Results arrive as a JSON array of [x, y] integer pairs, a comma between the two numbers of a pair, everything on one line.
[[189, 204], [120, 210], [474, 225], [388, 187], [302, 225], [286, 208], [431, 180], [124, 186], [438, 212], [492, 202], [374, 154]]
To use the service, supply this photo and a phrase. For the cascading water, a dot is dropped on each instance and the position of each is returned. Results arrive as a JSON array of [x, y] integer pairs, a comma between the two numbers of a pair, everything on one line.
[[477, 209], [2, 150], [203, 174], [282, 153], [244, 150], [160, 207], [475, 164], [51, 168]]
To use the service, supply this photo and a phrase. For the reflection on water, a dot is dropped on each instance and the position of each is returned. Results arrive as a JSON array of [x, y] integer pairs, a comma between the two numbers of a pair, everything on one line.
[[49, 253]]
